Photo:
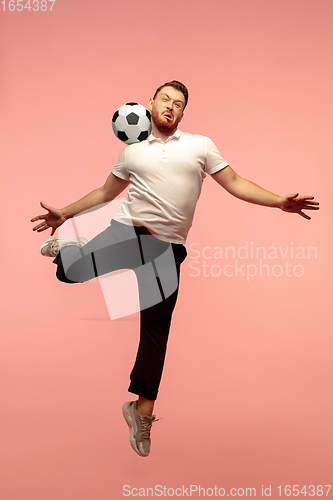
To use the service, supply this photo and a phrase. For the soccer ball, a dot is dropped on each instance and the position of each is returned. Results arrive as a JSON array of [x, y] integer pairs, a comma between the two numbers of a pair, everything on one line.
[[131, 123]]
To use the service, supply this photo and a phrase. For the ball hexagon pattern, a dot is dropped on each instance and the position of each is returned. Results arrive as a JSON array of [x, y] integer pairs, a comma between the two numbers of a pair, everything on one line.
[[131, 123]]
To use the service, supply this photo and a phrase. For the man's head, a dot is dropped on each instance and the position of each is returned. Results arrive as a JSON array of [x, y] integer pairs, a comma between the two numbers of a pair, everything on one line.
[[167, 106], [176, 85]]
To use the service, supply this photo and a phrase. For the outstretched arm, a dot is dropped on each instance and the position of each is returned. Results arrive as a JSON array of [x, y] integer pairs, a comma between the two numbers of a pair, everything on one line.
[[248, 191], [55, 217]]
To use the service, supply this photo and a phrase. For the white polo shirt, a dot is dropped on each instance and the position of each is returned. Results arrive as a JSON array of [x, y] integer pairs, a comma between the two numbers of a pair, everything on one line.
[[166, 180]]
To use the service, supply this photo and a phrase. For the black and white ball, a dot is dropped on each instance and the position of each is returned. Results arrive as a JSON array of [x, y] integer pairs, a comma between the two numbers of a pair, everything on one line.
[[131, 123]]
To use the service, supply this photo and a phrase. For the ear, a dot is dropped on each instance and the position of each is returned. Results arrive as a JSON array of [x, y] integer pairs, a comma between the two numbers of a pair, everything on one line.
[[150, 104], [181, 117]]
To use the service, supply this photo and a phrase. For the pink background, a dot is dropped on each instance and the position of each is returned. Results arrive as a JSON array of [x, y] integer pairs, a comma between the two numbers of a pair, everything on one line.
[[246, 394]]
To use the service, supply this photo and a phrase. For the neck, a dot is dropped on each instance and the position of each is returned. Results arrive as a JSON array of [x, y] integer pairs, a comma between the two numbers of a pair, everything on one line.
[[161, 135]]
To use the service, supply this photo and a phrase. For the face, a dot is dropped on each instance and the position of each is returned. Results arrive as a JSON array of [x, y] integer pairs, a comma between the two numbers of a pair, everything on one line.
[[167, 109]]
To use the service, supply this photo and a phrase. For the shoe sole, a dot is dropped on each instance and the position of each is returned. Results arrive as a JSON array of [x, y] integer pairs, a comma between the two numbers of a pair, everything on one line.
[[131, 424]]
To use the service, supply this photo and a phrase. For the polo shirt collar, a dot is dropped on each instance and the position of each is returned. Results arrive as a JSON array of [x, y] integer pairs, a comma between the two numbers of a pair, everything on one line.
[[176, 135]]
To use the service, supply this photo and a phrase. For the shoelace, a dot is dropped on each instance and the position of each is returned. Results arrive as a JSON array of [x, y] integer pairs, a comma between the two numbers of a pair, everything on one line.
[[146, 423], [54, 248]]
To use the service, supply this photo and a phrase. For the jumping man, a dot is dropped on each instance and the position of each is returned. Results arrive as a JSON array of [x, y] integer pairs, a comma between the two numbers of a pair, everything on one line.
[[165, 173]]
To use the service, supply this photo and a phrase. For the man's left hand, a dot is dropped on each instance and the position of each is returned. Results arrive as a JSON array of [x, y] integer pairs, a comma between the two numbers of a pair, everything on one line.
[[296, 203]]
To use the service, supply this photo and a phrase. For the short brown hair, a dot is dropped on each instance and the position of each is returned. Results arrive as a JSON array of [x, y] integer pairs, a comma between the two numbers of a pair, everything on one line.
[[176, 85]]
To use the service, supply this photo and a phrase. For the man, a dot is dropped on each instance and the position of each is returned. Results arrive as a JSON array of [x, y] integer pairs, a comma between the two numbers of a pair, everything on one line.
[[165, 173]]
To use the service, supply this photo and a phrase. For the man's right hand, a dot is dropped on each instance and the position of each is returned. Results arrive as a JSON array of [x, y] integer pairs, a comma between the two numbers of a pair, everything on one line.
[[53, 219]]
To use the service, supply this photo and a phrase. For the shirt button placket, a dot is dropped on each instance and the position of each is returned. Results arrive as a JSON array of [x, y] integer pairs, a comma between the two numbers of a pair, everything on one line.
[[164, 152]]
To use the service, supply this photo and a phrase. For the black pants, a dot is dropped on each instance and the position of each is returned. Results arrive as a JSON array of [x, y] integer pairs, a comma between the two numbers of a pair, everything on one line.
[[157, 268]]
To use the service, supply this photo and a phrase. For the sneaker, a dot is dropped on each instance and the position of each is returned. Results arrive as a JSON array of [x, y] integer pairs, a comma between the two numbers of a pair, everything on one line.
[[139, 428], [51, 247]]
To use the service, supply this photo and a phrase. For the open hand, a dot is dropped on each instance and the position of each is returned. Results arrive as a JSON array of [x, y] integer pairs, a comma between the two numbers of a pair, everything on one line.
[[296, 203], [53, 219]]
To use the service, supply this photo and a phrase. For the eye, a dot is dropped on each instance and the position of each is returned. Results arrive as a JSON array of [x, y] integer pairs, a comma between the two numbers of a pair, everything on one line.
[[178, 105]]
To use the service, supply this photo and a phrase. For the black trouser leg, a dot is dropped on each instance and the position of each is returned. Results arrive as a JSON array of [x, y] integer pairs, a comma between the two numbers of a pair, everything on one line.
[[154, 331], [155, 324]]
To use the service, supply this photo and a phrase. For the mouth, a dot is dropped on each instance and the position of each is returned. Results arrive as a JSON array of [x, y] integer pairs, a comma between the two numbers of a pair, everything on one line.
[[168, 116]]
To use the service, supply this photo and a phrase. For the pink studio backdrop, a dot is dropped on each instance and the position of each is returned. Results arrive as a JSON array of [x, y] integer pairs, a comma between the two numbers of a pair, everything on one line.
[[246, 394]]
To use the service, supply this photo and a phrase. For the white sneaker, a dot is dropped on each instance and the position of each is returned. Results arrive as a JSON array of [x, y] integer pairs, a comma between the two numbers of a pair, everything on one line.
[[52, 246]]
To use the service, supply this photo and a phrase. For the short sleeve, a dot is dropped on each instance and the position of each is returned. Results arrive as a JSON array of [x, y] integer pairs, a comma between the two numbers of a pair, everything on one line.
[[214, 159], [120, 170]]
